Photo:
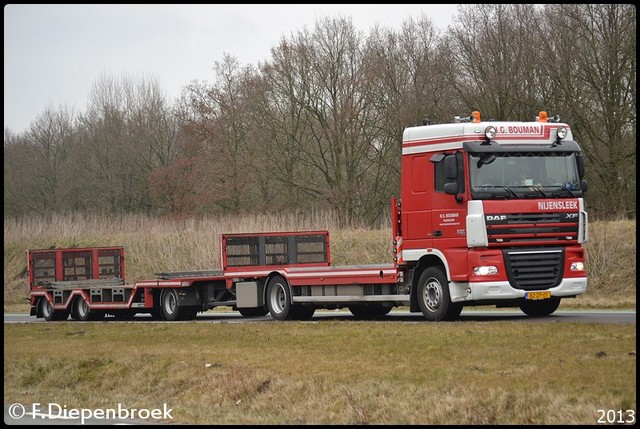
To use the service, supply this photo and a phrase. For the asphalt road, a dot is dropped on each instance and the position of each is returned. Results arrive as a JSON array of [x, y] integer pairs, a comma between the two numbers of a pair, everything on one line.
[[580, 316]]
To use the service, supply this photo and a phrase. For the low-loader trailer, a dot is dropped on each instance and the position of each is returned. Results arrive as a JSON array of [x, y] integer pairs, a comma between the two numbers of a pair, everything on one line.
[[490, 213]]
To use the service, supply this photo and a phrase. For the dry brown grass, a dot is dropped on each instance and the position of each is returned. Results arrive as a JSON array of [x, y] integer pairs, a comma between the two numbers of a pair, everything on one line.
[[329, 372], [154, 245]]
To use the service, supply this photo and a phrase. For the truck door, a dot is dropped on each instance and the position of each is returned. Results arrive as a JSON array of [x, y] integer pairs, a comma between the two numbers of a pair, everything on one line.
[[448, 217]]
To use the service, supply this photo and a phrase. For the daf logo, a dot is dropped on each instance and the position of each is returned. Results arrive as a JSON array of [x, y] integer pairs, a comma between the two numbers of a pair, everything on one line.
[[496, 217]]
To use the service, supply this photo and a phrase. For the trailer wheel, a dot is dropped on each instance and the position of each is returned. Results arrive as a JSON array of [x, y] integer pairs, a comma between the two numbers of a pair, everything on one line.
[[80, 311], [540, 308], [170, 305], [81, 308], [49, 314], [433, 296], [46, 309], [279, 298]]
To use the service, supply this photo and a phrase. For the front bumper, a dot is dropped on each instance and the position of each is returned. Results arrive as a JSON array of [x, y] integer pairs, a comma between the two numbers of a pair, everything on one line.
[[495, 291]]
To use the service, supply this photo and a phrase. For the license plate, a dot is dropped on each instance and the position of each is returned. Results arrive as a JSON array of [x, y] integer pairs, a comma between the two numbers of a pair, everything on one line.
[[538, 295]]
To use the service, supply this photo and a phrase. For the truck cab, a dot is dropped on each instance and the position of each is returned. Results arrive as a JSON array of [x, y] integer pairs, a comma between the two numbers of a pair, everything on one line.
[[493, 213]]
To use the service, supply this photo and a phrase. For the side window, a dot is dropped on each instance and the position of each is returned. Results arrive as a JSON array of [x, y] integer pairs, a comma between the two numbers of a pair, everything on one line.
[[440, 179]]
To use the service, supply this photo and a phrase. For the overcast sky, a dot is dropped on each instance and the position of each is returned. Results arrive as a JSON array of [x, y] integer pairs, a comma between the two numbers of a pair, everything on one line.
[[54, 54]]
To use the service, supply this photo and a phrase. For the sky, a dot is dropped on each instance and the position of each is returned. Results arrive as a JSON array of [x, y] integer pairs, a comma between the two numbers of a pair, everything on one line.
[[54, 54]]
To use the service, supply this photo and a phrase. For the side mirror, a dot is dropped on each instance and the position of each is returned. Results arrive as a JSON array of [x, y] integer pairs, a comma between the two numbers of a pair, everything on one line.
[[451, 188], [451, 167], [583, 185], [580, 161]]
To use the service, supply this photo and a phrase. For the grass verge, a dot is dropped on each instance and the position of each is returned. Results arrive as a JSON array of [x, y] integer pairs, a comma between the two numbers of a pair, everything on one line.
[[329, 372]]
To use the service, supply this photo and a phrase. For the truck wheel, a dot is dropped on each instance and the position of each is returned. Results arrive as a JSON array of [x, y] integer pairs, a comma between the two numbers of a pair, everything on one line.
[[433, 296], [368, 312], [253, 312], [279, 298], [540, 308], [170, 305]]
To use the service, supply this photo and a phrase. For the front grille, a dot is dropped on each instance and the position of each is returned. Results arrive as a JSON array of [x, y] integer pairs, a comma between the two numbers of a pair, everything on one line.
[[534, 269], [529, 228]]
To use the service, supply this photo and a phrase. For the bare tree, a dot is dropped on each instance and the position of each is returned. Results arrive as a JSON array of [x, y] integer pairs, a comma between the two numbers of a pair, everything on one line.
[[497, 60], [593, 71]]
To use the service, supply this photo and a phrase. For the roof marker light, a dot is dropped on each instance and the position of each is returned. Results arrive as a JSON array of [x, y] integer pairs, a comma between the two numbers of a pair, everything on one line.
[[542, 117]]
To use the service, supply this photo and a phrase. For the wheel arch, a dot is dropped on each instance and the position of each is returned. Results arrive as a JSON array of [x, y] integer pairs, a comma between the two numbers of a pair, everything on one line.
[[434, 259]]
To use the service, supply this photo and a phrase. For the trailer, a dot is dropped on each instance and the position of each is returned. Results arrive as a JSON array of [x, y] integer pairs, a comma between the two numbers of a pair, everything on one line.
[[491, 213]]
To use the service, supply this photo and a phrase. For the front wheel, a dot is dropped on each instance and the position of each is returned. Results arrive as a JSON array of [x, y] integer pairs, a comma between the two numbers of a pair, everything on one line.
[[540, 308], [433, 296]]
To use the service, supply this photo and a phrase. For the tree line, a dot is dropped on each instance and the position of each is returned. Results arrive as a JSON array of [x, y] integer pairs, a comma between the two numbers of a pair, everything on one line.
[[318, 124]]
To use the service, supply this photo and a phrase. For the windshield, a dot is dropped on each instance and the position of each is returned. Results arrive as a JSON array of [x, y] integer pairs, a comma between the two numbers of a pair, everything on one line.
[[524, 175]]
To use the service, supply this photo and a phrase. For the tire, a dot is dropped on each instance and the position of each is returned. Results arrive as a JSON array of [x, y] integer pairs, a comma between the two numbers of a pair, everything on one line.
[[279, 298], [540, 308], [254, 312], [170, 305], [369, 312], [433, 296], [46, 309], [49, 314], [82, 313], [81, 309]]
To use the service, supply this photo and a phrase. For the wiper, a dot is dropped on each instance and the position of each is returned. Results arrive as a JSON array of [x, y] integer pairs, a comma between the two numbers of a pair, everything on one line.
[[537, 188], [508, 189]]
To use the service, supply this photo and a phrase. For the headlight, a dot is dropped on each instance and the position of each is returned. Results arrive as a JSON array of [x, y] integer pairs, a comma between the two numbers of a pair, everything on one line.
[[490, 132], [485, 270], [577, 266], [561, 133]]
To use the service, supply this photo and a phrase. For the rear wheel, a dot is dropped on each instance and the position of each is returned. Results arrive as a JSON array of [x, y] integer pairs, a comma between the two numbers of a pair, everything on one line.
[[279, 298], [433, 296], [540, 308]]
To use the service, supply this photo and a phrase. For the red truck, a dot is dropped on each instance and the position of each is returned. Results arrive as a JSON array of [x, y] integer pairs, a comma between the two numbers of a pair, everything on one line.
[[491, 213]]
